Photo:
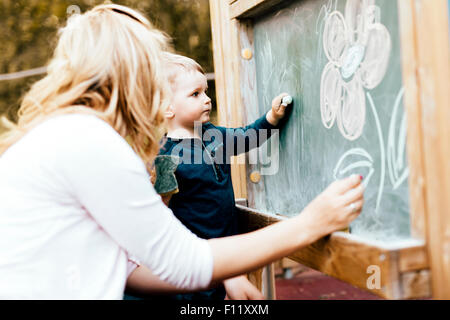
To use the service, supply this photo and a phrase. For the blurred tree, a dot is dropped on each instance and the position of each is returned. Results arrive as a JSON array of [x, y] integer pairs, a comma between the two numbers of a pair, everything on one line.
[[28, 35]]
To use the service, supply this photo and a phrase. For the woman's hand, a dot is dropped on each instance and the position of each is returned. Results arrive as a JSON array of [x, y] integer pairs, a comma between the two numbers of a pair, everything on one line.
[[240, 288], [338, 205]]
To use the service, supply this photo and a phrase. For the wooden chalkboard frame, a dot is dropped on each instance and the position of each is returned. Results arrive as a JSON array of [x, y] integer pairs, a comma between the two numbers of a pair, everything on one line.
[[419, 268]]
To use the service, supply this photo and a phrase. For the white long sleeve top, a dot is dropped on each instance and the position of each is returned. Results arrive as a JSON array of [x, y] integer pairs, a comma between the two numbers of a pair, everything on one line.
[[75, 203]]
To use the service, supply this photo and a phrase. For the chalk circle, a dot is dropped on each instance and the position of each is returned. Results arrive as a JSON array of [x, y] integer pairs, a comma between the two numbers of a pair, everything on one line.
[[330, 94], [335, 37], [351, 115], [374, 66], [352, 60]]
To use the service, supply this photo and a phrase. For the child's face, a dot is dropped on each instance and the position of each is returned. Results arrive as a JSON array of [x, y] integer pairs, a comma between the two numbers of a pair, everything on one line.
[[190, 102]]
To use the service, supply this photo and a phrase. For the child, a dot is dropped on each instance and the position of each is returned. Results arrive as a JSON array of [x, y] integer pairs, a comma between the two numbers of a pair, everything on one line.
[[205, 201]]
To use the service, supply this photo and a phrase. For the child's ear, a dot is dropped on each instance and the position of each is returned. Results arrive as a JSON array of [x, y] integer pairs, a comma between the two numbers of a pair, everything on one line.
[[169, 113]]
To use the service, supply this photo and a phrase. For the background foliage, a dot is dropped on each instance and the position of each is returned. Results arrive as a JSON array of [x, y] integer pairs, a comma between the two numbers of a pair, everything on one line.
[[28, 35]]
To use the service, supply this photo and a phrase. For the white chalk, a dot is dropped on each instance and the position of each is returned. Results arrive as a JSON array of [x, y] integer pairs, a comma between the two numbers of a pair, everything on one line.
[[286, 100]]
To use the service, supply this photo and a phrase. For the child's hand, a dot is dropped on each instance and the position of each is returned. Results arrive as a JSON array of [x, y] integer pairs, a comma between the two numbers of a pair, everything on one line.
[[278, 110], [239, 288]]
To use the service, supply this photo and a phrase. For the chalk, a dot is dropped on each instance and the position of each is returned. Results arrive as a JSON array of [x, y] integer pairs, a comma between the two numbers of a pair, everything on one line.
[[286, 100]]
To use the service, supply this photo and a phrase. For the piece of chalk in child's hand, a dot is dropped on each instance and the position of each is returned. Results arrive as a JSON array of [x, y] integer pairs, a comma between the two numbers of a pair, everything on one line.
[[286, 100]]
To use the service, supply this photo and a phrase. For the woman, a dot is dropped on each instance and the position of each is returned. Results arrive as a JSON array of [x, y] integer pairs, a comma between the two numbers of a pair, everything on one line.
[[77, 202]]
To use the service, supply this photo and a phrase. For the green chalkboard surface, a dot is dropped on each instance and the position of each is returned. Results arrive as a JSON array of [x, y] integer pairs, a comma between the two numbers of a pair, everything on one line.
[[341, 62]]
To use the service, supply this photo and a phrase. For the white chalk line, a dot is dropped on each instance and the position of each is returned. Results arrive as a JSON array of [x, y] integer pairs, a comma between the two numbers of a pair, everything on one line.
[[395, 156], [382, 151], [358, 164]]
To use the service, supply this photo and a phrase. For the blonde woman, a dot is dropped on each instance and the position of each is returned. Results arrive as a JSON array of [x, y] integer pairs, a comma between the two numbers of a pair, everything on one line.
[[76, 199]]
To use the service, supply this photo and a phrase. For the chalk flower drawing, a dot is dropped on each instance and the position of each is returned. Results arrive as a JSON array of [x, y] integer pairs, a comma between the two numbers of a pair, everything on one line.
[[357, 46]]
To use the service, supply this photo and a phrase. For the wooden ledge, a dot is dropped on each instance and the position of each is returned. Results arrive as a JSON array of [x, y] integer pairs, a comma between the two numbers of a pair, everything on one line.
[[251, 8], [402, 266]]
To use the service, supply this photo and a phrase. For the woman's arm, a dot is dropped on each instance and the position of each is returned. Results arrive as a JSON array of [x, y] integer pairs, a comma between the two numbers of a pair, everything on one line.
[[239, 254], [143, 281], [328, 212]]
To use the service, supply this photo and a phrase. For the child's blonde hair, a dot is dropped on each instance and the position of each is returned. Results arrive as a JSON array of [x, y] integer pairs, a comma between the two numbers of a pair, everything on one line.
[[108, 63], [174, 62]]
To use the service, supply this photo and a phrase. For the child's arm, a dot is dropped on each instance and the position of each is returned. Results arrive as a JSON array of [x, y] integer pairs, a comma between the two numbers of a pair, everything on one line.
[[142, 281], [244, 139], [240, 288]]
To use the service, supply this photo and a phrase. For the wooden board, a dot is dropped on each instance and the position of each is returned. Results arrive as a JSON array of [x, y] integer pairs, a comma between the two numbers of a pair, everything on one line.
[[433, 65], [354, 259], [424, 32], [252, 8], [289, 54]]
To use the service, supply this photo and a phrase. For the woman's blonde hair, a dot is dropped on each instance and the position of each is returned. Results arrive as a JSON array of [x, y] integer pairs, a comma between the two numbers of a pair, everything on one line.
[[108, 63]]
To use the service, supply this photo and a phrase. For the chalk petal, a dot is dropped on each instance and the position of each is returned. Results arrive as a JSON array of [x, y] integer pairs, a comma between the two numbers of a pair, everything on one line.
[[335, 39], [356, 19], [373, 67], [351, 115], [330, 94]]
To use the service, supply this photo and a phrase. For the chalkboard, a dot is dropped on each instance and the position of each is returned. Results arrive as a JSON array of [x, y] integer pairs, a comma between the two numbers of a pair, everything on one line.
[[341, 62]]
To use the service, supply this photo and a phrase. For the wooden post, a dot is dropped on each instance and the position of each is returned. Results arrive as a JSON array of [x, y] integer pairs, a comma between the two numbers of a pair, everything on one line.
[[434, 78], [227, 87], [415, 148]]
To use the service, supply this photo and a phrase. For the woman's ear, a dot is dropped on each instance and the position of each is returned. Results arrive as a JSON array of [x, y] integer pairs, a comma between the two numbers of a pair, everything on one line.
[[169, 113]]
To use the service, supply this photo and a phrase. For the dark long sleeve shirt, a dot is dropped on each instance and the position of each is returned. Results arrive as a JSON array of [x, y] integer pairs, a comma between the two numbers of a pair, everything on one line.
[[205, 202]]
